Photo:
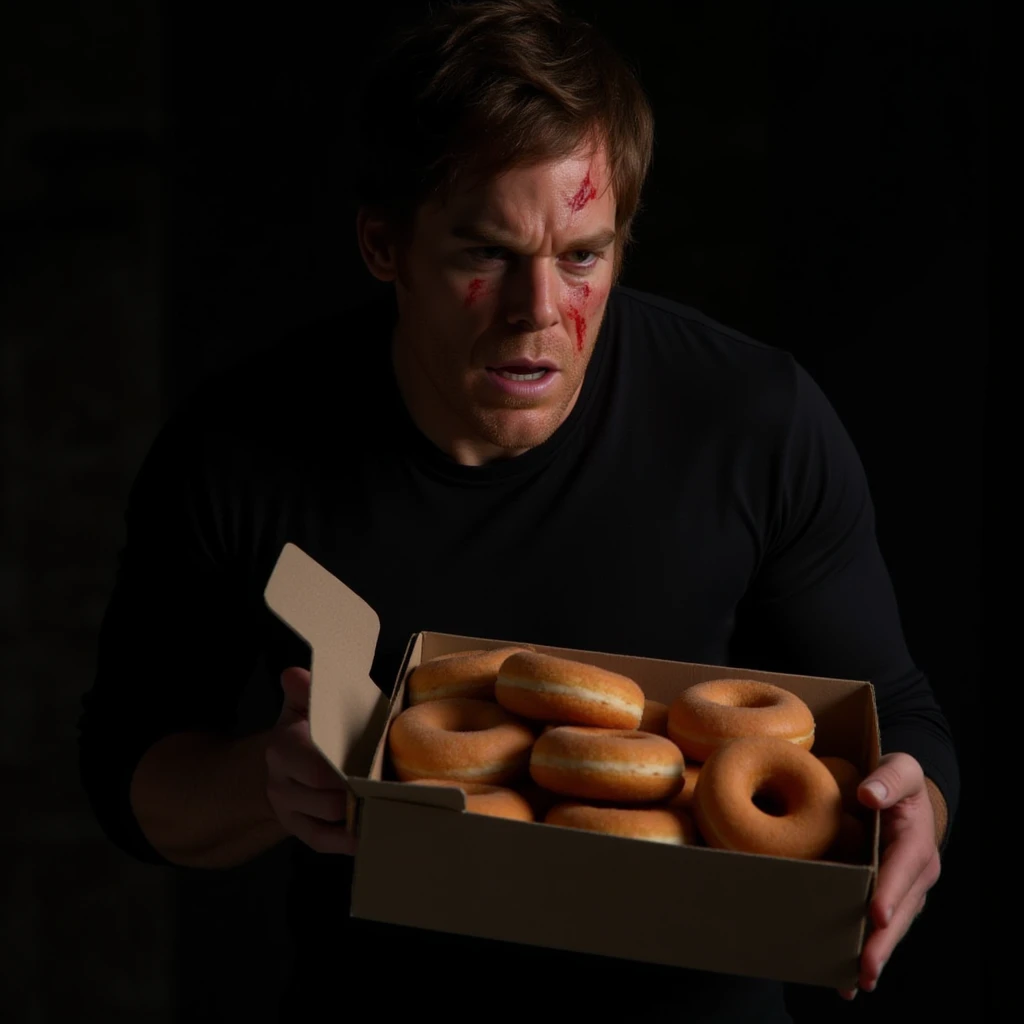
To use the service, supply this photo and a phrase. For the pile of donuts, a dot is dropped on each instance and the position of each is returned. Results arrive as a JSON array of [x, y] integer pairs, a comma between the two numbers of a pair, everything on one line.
[[535, 737]]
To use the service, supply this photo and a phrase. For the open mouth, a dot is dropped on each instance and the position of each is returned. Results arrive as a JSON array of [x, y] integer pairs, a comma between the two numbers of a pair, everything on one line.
[[523, 378], [521, 373]]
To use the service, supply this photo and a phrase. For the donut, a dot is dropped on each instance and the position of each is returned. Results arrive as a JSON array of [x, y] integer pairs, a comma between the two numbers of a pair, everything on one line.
[[495, 801], [620, 765], [462, 674], [849, 778], [706, 715], [658, 824], [655, 718], [684, 798], [762, 794], [561, 690], [461, 739]]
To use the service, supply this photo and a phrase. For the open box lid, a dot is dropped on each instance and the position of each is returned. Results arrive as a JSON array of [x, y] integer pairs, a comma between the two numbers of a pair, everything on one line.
[[341, 630], [347, 711]]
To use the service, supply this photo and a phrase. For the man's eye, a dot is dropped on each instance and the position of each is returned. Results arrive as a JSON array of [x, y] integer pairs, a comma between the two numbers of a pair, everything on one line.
[[489, 253], [486, 253]]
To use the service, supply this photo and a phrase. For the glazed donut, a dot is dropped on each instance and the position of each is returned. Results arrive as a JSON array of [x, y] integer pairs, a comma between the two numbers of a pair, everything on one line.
[[460, 739], [620, 765], [658, 824], [709, 714], [803, 806], [495, 801], [462, 674], [684, 798], [849, 778], [560, 690], [655, 718]]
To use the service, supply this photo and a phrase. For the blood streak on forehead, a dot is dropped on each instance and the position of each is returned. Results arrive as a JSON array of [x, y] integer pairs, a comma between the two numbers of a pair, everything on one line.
[[586, 192]]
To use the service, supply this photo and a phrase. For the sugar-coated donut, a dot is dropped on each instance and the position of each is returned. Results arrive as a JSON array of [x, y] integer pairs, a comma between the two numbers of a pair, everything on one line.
[[620, 765], [462, 674], [803, 805], [655, 718], [459, 738], [706, 715], [849, 778], [684, 798], [495, 801], [658, 824], [561, 690]]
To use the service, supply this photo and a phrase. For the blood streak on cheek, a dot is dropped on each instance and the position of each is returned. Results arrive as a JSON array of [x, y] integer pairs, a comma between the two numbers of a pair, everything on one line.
[[476, 286], [584, 194], [581, 326], [577, 315]]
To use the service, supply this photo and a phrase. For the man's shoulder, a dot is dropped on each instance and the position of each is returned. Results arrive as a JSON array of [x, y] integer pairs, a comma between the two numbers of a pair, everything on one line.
[[682, 346], [658, 310], [296, 372]]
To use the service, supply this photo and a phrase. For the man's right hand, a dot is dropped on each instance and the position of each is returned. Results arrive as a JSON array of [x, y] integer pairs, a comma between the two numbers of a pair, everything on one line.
[[305, 792]]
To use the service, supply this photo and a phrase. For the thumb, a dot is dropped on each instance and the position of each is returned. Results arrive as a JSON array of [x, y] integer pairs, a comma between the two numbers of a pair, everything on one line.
[[295, 684], [896, 777]]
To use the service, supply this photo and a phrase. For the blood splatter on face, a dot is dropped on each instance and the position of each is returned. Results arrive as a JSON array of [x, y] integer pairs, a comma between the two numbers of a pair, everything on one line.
[[584, 194], [578, 315], [476, 286], [581, 327]]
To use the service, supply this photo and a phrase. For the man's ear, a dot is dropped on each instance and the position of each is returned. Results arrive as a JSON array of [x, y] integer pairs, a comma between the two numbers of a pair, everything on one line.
[[377, 245]]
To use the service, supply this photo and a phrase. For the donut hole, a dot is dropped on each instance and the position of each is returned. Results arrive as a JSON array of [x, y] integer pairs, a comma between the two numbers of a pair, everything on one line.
[[744, 700], [770, 800], [760, 701]]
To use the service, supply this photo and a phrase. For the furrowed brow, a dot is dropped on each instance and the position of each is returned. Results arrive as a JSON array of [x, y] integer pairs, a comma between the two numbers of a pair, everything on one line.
[[488, 237]]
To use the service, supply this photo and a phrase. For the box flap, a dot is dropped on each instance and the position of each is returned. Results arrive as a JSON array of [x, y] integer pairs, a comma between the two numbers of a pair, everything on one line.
[[429, 796], [341, 630]]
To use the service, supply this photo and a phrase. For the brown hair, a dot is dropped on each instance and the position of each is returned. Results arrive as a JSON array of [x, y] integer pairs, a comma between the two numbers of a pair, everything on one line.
[[474, 89]]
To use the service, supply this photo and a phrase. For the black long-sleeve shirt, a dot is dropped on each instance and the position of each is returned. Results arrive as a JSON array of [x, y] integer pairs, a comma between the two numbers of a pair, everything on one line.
[[702, 502]]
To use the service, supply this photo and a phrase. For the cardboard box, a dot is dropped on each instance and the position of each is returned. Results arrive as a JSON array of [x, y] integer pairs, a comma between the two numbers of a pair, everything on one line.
[[423, 862]]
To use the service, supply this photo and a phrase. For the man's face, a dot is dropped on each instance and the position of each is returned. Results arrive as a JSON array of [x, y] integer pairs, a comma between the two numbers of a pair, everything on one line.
[[501, 293]]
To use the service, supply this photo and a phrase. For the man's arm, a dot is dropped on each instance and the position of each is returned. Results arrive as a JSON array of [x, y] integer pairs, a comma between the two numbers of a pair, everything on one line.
[[166, 780], [822, 602], [201, 800]]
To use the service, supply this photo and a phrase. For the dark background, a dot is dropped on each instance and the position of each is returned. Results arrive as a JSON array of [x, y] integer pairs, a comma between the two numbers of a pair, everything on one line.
[[166, 205]]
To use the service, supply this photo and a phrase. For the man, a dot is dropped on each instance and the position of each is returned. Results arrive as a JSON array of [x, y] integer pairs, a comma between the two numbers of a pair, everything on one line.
[[512, 446]]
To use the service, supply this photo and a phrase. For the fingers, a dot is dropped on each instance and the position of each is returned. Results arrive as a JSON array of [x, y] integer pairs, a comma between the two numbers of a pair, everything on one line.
[[321, 836], [881, 943], [897, 777], [295, 684], [306, 793], [883, 939], [292, 756], [908, 858], [910, 863], [323, 804]]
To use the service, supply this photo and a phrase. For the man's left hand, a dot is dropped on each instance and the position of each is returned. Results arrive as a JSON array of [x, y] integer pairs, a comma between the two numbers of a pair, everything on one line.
[[908, 859]]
